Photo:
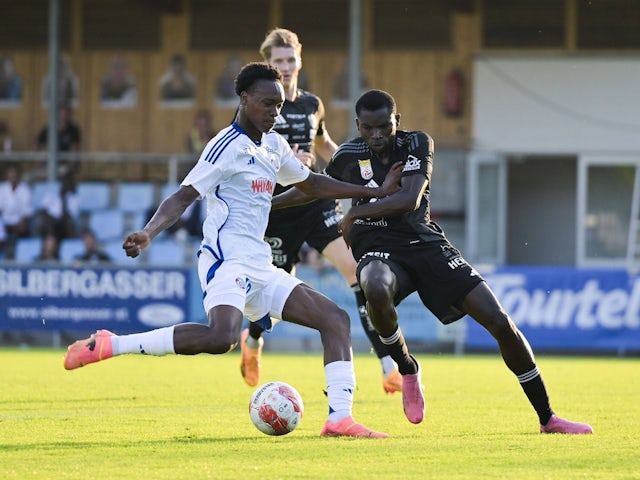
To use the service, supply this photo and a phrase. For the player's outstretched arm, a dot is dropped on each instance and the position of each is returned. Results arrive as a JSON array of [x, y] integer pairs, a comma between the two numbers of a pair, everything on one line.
[[322, 186], [166, 215], [290, 198]]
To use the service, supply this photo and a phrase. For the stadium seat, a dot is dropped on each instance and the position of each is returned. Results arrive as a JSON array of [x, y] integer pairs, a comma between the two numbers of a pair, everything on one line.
[[167, 189], [134, 197], [107, 224], [136, 221], [39, 190], [70, 248], [94, 196], [27, 249], [165, 252]]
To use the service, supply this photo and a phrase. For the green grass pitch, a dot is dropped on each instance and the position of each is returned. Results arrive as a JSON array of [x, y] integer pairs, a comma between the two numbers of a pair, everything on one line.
[[187, 418]]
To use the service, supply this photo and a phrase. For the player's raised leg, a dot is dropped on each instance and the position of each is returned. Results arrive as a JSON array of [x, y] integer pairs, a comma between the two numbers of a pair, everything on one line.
[[307, 307], [185, 339]]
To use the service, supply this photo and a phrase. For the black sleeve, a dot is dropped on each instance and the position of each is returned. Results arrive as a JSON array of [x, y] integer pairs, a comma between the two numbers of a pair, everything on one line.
[[419, 148]]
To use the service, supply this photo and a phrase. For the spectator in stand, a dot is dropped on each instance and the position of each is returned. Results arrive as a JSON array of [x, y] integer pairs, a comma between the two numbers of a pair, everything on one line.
[[118, 87], [10, 81], [177, 83], [49, 253], [225, 86], [68, 84], [92, 251], [59, 210], [16, 208], [341, 85], [6, 142], [69, 138], [201, 132]]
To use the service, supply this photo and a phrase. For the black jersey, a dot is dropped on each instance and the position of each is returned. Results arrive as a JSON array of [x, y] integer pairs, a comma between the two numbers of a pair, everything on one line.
[[299, 122], [355, 163]]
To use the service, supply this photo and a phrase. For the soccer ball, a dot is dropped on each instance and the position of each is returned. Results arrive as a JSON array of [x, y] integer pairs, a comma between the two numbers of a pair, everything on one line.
[[276, 408]]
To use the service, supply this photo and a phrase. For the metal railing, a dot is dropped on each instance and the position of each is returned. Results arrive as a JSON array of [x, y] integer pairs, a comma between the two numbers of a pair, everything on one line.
[[171, 160]]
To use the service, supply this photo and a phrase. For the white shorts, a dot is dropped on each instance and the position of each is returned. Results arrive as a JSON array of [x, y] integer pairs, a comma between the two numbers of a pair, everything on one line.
[[255, 290]]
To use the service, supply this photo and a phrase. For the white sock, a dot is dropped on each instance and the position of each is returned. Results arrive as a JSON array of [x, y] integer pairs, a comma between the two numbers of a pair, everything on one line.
[[388, 365], [341, 382], [254, 344], [155, 342]]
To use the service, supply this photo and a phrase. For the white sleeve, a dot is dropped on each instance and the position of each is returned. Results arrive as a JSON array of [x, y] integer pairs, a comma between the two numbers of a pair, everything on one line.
[[291, 170], [204, 176]]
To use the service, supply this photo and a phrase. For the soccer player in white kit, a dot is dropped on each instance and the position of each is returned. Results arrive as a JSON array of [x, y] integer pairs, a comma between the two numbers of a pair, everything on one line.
[[236, 173]]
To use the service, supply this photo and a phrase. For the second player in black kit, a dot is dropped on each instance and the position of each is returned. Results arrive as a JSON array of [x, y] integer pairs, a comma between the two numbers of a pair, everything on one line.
[[400, 250], [301, 123], [408, 239]]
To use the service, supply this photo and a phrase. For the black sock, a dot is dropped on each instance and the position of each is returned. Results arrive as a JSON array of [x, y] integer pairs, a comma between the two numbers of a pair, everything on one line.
[[536, 392], [255, 330], [374, 338], [397, 348]]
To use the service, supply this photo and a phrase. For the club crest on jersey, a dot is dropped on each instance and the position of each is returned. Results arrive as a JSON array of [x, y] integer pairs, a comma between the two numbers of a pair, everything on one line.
[[366, 171], [413, 163]]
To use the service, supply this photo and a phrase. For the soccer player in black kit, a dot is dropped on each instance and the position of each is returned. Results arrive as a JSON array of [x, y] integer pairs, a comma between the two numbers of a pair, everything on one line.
[[301, 123], [400, 250]]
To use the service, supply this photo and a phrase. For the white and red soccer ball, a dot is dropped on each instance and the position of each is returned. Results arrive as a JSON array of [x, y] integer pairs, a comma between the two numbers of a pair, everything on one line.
[[276, 408]]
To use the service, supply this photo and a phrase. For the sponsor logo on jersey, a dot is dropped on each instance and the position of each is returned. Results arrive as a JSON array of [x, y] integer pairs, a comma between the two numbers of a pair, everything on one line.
[[366, 171], [456, 262], [377, 254], [252, 161], [274, 242], [332, 220], [262, 185], [413, 163]]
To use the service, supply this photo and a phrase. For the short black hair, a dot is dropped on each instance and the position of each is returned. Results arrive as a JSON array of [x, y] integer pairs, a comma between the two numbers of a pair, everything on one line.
[[252, 72], [375, 100]]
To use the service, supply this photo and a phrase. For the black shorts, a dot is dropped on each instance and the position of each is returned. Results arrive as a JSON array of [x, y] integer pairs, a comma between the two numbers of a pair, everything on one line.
[[436, 270], [315, 223]]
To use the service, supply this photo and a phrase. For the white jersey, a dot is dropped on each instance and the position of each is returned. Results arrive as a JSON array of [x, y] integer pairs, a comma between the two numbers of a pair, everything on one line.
[[237, 177]]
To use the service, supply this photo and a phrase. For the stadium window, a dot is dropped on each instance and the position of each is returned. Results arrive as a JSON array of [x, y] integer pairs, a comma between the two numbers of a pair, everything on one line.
[[523, 24], [305, 17], [412, 24], [227, 24], [609, 24], [120, 24], [25, 25]]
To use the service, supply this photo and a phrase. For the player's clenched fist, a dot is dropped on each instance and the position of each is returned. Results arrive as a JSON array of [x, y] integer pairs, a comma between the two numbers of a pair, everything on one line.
[[135, 242]]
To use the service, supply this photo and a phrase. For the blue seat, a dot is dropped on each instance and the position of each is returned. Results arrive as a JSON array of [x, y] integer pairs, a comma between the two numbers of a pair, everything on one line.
[[165, 252], [168, 189], [107, 224], [136, 221], [94, 196], [134, 197], [70, 248], [27, 249], [39, 191]]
